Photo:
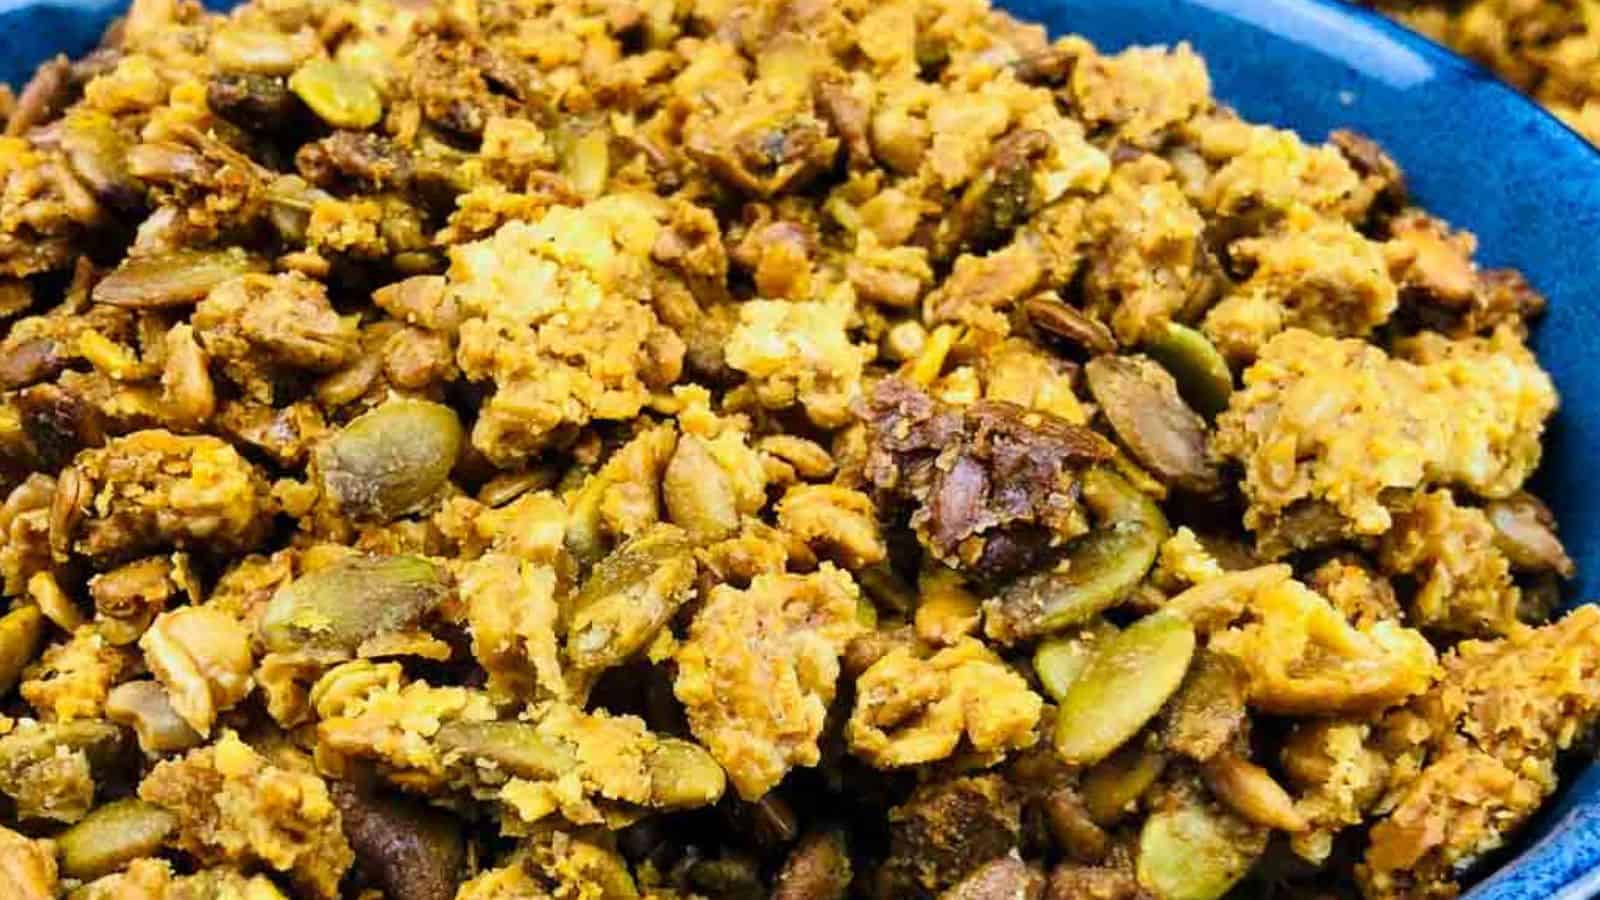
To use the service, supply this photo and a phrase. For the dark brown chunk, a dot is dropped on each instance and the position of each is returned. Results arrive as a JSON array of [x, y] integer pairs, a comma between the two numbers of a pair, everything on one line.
[[410, 850], [817, 869], [946, 830], [975, 471], [251, 101], [44, 98]]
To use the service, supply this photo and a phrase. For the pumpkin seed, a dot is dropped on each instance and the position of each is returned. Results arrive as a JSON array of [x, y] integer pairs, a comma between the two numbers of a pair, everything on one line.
[[1203, 377], [629, 596], [516, 747], [338, 607], [1126, 683], [1112, 786], [1141, 402], [1100, 568], [392, 460], [112, 836], [683, 775], [339, 95], [1192, 853], [178, 278], [1059, 661]]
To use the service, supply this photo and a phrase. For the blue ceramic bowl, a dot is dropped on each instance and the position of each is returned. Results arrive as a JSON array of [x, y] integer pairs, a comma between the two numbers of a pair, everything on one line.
[[1474, 151]]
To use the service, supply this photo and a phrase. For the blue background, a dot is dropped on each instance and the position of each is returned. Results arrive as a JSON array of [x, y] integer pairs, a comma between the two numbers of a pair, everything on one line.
[[1474, 152]]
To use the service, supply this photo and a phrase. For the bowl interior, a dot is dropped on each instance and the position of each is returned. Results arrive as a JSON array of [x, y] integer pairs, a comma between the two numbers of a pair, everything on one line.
[[1474, 152]]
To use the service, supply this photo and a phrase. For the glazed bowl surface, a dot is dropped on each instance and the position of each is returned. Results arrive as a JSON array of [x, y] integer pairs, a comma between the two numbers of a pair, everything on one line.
[[1474, 152]]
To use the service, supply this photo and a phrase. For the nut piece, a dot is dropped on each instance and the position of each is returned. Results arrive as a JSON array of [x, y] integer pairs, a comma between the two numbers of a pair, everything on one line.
[[413, 851], [178, 278], [336, 608], [1123, 687], [1141, 401], [112, 836], [818, 868], [629, 596], [390, 461], [339, 95], [698, 492], [202, 656], [145, 707]]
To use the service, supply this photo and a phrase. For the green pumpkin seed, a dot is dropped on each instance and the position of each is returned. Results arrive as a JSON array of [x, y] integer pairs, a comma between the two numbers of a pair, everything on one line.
[[112, 836], [338, 607], [516, 747], [179, 278], [1202, 374], [629, 596], [1059, 661], [1193, 853], [339, 95], [1126, 683], [684, 776], [1112, 786], [390, 461]]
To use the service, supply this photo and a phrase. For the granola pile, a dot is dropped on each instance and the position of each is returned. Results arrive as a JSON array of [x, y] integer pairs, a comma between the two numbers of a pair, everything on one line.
[[796, 448]]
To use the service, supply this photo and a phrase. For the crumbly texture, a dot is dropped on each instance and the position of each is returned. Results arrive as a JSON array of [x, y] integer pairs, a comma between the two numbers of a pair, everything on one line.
[[798, 449], [234, 806], [760, 668], [1339, 422]]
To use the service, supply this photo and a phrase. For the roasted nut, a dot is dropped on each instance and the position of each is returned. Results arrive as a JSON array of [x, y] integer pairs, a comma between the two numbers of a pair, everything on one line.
[[1524, 531], [1049, 314], [145, 707], [1006, 878], [1194, 853], [128, 598], [516, 747], [340, 95], [336, 608], [1126, 683], [202, 657], [112, 836], [390, 461], [818, 868], [1113, 785], [177, 278], [629, 596], [699, 493], [1142, 404], [1252, 792], [21, 633], [1202, 375], [413, 851]]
